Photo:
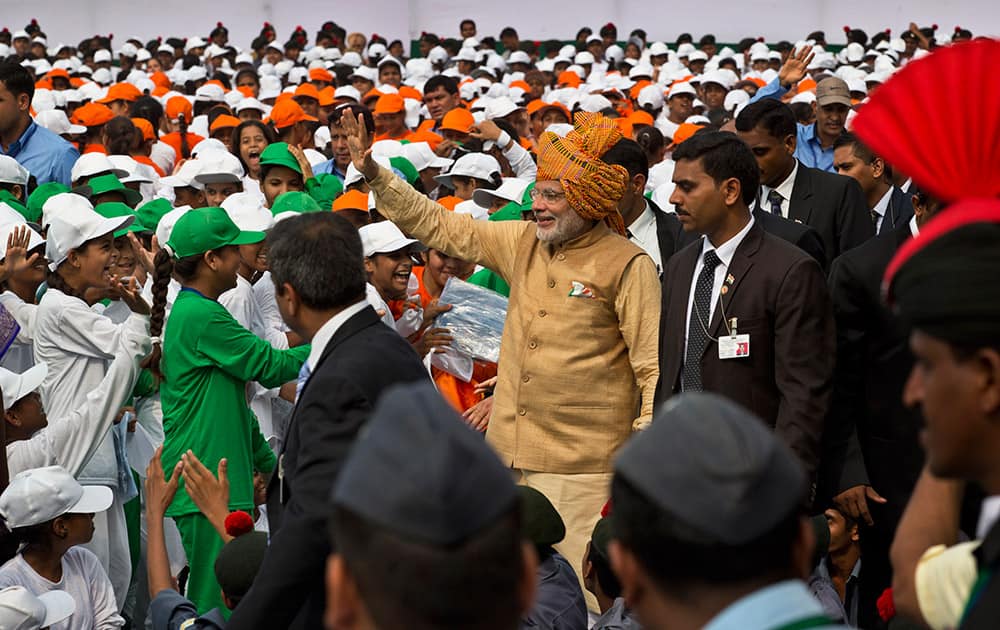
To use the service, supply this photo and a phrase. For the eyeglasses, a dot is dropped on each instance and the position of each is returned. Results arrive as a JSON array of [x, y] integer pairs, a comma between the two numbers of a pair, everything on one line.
[[548, 196]]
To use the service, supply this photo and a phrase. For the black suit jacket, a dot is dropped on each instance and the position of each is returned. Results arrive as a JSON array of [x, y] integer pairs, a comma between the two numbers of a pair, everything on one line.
[[899, 212], [780, 298], [362, 359], [670, 234], [985, 614], [799, 234], [873, 363], [834, 206]]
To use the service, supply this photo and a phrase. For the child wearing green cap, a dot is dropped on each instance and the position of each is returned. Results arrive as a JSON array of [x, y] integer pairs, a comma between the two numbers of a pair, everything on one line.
[[285, 168], [208, 362]]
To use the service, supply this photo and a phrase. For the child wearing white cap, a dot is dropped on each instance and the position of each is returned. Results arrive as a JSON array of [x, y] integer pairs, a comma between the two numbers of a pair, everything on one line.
[[77, 344], [51, 514], [22, 610], [18, 243], [33, 441]]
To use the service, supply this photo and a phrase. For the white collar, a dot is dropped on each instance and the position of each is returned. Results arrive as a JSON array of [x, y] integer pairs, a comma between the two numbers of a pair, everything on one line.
[[785, 188], [644, 221], [329, 329], [726, 251], [914, 229], [883, 203], [988, 515]]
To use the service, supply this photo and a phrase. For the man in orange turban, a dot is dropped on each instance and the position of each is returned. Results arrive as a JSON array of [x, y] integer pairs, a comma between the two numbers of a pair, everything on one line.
[[578, 358]]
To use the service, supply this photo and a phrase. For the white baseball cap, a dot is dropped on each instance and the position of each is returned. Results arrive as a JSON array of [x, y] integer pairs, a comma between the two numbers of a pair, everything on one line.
[[210, 93], [90, 164], [247, 211], [347, 91], [184, 176], [17, 386], [251, 103], [219, 167], [584, 57], [595, 103], [41, 494], [11, 223], [72, 222], [641, 70], [651, 95], [422, 156], [11, 171], [194, 42], [20, 610], [55, 120], [698, 55], [478, 165], [656, 49], [500, 107], [383, 238], [103, 55], [512, 189], [681, 88], [469, 206], [519, 56], [135, 174]]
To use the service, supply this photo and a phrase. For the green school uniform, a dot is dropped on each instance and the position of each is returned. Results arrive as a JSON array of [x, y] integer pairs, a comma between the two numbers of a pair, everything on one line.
[[207, 361]]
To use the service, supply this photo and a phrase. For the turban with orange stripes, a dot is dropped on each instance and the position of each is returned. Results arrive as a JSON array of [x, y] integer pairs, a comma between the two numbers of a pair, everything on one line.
[[593, 188]]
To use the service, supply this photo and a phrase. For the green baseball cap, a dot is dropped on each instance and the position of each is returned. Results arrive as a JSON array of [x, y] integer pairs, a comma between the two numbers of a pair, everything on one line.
[[294, 201], [327, 188], [277, 154], [150, 213], [107, 184], [204, 229], [39, 196], [405, 167], [8, 198], [512, 211], [112, 209]]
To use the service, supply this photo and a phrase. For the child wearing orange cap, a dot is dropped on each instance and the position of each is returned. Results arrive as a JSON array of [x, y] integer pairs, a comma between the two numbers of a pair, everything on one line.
[[390, 118], [178, 114]]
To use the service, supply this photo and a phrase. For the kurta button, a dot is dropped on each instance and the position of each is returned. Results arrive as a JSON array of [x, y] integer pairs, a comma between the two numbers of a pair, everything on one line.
[[521, 411], [532, 345], [561, 256], [525, 378], [542, 313], [552, 284]]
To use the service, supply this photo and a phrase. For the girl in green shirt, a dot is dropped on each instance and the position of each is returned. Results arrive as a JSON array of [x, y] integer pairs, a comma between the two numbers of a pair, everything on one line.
[[206, 362]]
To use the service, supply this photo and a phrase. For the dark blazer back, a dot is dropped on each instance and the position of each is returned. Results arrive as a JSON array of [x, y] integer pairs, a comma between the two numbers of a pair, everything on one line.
[[834, 206], [362, 359], [799, 234]]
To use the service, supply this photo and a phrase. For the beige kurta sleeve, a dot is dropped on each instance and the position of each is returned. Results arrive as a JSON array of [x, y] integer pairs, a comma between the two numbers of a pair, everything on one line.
[[638, 308], [492, 244]]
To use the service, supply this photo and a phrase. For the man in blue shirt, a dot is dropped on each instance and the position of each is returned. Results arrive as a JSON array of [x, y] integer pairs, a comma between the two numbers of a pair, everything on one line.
[[833, 101], [338, 140], [46, 156]]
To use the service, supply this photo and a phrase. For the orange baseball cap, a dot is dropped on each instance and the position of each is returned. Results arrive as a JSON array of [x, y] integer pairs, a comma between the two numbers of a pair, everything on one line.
[[160, 79], [459, 120], [43, 84], [287, 113], [245, 90], [92, 115], [410, 92], [371, 95], [121, 92], [320, 74], [685, 131], [520, 83], [424, 135], [538, 106], [351, 200], [641, 117], [58, 72], [327, 96], [159, 90], [568, 78], [625, 126], [389, 104], [145, 127], [307, 90], [177, 105], [224, 121]]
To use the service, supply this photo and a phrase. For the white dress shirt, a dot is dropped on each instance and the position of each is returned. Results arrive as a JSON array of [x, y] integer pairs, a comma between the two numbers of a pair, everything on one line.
[[329, 329], [642, 232], [725, 253], [784, 189], [881, 208], [914, 229]]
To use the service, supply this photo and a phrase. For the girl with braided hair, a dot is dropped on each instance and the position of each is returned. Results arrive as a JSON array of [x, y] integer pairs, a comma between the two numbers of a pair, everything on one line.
[[204, 372]]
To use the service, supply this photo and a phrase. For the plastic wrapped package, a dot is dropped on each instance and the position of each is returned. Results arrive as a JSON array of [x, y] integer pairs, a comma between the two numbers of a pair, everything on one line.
[[475, 320]]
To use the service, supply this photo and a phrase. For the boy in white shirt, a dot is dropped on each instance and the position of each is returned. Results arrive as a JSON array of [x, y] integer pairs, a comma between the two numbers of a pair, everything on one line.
[[51, 514]]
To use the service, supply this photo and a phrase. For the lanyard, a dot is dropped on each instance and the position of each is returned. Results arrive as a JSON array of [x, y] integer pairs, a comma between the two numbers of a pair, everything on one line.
[[977, 590], [818, 621]]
